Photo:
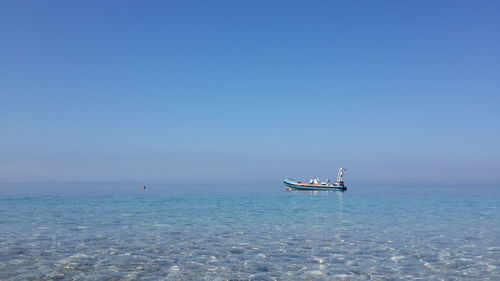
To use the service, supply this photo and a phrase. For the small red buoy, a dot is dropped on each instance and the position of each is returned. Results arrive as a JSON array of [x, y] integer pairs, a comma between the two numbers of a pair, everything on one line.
[[143, 187]]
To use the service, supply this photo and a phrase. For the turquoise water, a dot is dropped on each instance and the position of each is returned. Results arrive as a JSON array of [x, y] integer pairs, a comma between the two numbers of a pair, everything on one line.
[[121, 233]]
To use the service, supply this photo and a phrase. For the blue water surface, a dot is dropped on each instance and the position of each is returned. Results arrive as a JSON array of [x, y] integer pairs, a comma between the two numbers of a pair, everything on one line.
[[120, 232]]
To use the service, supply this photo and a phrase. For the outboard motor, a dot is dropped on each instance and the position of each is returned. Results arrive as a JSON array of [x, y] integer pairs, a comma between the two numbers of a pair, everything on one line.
[[340, 177]]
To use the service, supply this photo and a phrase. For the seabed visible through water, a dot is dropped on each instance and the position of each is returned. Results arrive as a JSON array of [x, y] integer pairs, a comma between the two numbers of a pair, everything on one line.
[[269, 236]]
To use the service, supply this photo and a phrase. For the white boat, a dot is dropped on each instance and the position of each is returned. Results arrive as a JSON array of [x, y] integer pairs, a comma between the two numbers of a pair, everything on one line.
[[316, 184]]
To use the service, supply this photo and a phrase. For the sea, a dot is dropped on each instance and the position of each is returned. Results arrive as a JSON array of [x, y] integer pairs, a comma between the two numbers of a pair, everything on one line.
[[248, 232]]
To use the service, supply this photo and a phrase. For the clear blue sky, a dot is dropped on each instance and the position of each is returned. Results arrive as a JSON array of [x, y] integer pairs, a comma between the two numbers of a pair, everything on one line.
[[165, 91]]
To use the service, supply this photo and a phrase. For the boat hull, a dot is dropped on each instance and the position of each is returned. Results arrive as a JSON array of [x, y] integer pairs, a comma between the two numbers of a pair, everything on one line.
[[294, 185]]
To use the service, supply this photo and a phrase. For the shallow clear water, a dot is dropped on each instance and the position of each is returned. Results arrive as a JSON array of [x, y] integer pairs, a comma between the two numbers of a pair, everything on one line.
[[161, 235]]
